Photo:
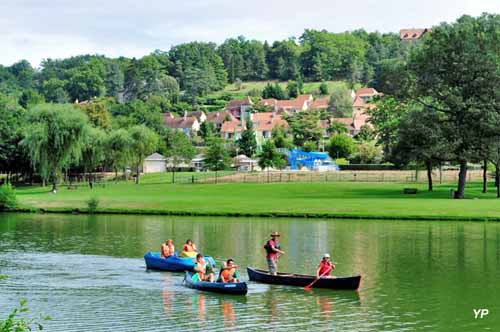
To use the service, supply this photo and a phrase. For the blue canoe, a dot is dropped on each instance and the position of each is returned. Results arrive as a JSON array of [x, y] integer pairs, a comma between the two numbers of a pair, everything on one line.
[[173, 263], [233, 288]]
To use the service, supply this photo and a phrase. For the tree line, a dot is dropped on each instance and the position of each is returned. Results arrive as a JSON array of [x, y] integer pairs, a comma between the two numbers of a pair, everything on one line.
[[201, 67], [442, 102]]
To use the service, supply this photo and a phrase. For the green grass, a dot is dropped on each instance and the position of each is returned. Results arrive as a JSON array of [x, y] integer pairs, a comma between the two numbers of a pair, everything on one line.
[[352, 200], [180, 177], [246, 87]]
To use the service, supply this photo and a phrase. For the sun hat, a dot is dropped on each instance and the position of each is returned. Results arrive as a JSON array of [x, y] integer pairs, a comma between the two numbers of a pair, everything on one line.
[[326, 256], [275, 233]]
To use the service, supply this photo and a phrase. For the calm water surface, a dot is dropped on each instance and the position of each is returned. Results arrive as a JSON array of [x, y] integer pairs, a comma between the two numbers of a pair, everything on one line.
[[89, 275]]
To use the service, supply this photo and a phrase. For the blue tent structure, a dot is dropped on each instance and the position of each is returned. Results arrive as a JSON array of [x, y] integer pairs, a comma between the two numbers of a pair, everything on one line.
[[312, 160]]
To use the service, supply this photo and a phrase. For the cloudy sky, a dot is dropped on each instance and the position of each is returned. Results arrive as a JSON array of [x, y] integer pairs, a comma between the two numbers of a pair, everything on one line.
[[38, 29]]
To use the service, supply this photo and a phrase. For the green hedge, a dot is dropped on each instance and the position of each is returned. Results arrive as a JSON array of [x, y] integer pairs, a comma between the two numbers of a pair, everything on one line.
[[8, 200]]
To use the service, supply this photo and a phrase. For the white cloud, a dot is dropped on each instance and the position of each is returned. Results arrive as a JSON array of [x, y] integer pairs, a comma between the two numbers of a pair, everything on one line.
[[35, 29]]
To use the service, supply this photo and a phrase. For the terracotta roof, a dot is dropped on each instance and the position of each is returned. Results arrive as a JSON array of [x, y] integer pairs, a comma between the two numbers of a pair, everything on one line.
[[178, 123], [265, 121], [320, 103], [358, 102], [232, 126], [360, 119], [219, 117], [234, 104], [366, 92], [196, 114], [410, 34], [344, 121]]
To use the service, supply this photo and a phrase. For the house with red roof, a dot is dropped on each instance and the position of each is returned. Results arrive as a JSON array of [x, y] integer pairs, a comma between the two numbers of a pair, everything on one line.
[[263, 125], [412, 35], [189, 125], [238, 107]]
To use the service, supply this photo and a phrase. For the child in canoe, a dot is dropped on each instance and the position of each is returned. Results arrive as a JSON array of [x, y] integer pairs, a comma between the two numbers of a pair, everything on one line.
[[203, 269], [325, 267], [228, 272]]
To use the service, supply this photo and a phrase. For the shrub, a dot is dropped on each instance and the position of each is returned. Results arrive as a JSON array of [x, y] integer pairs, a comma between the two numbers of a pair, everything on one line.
[[15, 323], [92, 204], [8, 200]]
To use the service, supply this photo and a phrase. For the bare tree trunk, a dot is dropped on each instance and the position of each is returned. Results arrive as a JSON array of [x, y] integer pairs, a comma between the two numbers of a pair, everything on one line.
[[485, 179], [462, 177], [137, 176], [428, 164]]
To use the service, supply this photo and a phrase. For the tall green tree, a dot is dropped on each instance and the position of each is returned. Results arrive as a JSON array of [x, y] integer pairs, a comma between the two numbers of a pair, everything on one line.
[[179, 149], [144, 142], [341, 146], [270, 157], [247, 143], [93, 152], [53, 138], [340, 103], [421, 139], [456, 71], [216, 156], [118, 149], [304, 126]]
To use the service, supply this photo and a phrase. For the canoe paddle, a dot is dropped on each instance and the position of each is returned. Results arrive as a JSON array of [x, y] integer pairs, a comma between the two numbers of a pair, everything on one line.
[[308, 287]]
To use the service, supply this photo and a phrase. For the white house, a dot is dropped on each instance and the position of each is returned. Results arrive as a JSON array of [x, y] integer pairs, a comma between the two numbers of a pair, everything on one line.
[[155, 163]]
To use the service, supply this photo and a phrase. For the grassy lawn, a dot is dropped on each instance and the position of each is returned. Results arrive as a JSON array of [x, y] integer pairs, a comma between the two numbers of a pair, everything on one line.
[[248, 86], [180, 177], [383, 200]]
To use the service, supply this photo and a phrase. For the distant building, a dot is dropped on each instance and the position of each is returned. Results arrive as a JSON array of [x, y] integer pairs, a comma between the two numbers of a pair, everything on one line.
[[289, 106], [237, 107], [189, 125], [412, 35], [244, 163], [218, 118], [155, 163], [263, 124]]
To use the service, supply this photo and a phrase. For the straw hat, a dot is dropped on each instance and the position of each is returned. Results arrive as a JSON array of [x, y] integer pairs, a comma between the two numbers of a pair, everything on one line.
[[275, 233]]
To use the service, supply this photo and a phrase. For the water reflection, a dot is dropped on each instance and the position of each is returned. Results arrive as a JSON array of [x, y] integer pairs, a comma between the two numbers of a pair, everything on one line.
[[411, 271]]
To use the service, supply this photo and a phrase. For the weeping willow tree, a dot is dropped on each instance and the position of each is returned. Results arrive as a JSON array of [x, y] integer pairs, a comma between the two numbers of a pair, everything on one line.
[[53, 138], [93, 151]]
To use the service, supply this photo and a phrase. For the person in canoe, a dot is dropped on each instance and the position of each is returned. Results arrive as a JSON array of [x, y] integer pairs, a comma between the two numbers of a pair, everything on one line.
[[228, 272], [203, 269], [272, 253], [325, 267], [167, 249], [189, 249]]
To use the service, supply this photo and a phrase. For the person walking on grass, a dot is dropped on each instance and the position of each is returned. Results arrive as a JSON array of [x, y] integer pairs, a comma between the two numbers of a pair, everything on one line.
[[273, 251]]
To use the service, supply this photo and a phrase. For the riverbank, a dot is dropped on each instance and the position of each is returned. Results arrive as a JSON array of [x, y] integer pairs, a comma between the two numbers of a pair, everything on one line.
[[308, 200]]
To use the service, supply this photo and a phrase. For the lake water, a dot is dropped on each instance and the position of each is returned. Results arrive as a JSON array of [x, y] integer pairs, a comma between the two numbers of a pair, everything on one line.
[[88, 274]]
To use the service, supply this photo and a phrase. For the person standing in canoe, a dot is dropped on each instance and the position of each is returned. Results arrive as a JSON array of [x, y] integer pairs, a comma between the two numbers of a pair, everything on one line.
[[325, 267], [272, 253], [204, 270], [167, 249]]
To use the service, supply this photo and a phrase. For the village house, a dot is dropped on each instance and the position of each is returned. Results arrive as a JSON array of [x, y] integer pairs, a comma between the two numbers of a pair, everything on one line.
[[263, 125], [155, 163], [189, 125], [218, 118], [237, 107], [289, 106], [199, 115], [412, 35]]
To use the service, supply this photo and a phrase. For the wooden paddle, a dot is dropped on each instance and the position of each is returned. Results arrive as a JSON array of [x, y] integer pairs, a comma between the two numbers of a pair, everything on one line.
[[308, 287]]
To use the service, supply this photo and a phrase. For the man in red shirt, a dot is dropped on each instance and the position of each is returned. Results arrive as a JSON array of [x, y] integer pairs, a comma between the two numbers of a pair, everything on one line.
[[325, 267], [273, 250]]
